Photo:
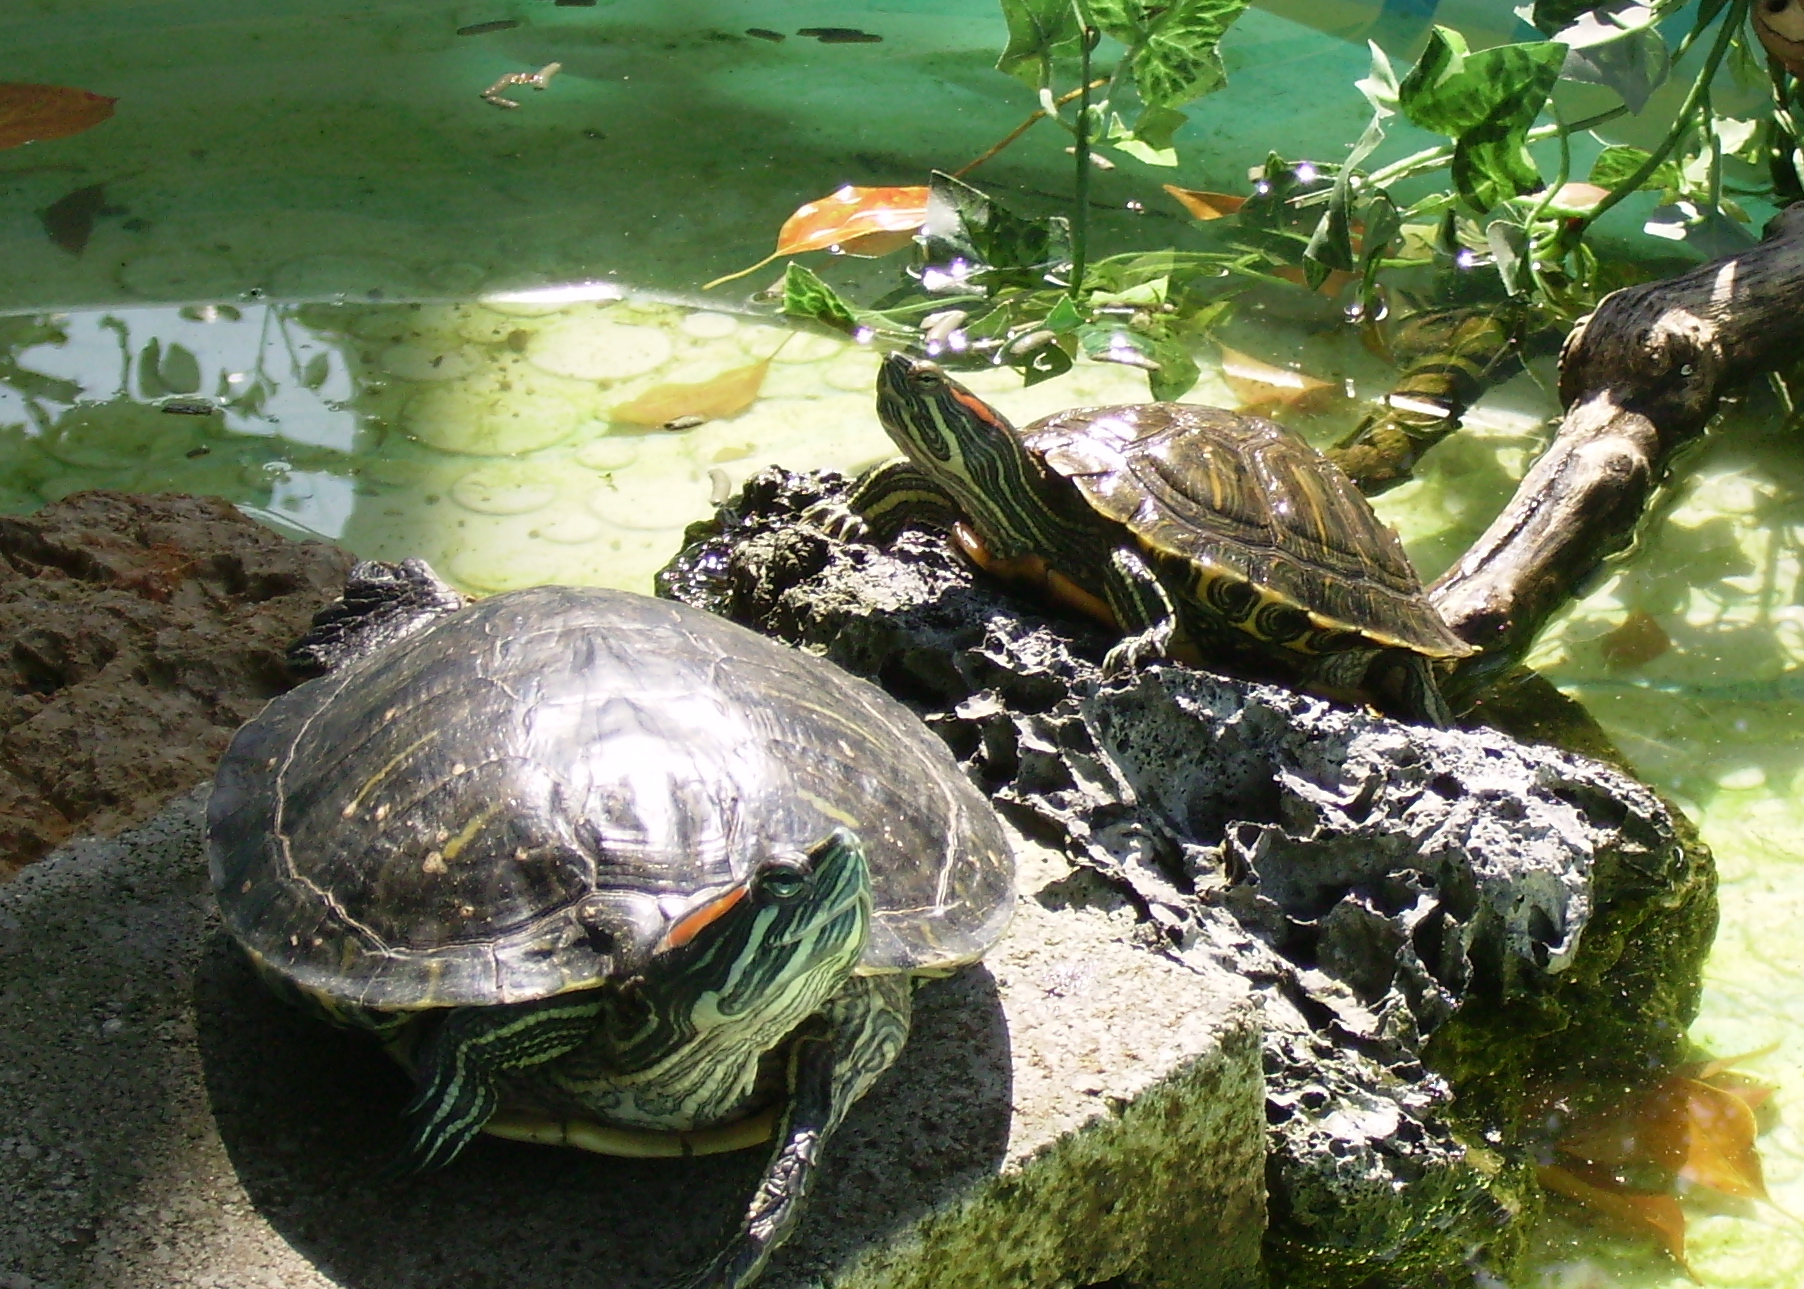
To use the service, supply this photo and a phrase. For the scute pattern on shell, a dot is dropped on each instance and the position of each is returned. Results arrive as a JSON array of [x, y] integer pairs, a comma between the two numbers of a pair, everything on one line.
[[437, 824], [1245, 496]]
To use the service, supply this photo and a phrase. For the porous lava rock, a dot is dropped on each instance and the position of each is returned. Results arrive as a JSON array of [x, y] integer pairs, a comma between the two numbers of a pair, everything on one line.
[[139, 632], [1446, 927]]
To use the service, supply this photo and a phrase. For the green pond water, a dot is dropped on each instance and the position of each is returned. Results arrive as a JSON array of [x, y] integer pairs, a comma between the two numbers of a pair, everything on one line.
[[409, 314]]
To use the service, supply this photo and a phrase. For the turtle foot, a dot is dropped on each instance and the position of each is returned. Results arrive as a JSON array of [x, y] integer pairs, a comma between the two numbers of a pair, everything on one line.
[[1135, 652], [838, 520]]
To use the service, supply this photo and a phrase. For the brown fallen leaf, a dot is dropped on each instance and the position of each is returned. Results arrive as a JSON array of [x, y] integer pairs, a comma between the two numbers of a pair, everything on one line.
[[1720, 1150], [1263, 388], [1206, 205], [1658, 1215], [715, 399], [29, 113], [1639, 639], [855, 221]]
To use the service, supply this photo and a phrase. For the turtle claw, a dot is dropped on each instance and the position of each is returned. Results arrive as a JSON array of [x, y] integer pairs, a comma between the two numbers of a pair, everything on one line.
[[837, 520], [1135, 652]]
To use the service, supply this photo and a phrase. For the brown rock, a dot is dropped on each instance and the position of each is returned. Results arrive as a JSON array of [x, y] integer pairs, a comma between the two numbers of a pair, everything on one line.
[[136, 633]]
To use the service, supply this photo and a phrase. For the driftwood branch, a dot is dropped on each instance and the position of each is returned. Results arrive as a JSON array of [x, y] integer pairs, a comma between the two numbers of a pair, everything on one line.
[[1640, 378]]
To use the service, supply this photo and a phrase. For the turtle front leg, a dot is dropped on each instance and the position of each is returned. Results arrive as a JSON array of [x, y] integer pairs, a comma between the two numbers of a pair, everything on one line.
[[458, 1065], [886, 499], [829, 1070], [1144, 609]]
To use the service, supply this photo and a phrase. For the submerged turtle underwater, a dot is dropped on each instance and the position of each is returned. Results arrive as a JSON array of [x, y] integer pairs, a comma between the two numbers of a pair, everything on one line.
[[600, 869], [1180, 525]]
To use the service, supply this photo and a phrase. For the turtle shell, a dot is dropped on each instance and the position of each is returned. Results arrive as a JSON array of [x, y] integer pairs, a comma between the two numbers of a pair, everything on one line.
[[1247, 504], [500, 806]]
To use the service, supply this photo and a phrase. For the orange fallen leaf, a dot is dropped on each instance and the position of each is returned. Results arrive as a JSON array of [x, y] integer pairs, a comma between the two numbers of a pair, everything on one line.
[[855, 221], [1262, 387], [32, 112], [1639, 639], [1206, 205], [715, 399], [1657, 1214]]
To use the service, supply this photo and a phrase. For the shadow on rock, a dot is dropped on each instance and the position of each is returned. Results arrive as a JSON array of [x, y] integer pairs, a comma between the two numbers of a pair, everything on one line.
[[310, 1115]]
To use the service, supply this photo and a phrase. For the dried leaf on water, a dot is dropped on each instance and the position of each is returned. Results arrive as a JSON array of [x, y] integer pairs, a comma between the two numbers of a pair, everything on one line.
[[1206, 205], [1262, 387], [855, 221], [715, 399], [29, 113], [1658, 1215]]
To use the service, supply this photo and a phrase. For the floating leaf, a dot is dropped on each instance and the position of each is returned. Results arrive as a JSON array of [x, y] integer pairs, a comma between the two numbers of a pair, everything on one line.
[[715, 399], [806, 296], [1206, 205], [1658, 1215], [1262, 387], [29, 113], [854, 221]]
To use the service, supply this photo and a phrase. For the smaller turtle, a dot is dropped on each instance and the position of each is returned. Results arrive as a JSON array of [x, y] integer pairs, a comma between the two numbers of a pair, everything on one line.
[[1186, 528], [602, 870]]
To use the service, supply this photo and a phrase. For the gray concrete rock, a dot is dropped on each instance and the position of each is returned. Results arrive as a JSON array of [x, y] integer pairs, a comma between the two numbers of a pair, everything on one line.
[[1074, 1110], [1418, 910]]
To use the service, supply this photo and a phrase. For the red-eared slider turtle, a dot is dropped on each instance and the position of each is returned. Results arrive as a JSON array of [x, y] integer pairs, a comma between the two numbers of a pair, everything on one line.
[[1176, 524], [602, 869]]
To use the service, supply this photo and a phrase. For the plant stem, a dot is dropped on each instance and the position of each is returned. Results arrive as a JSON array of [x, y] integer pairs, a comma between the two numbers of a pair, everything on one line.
[[1024, 127], [1732, 18], [1080, 217], [1434, 158]]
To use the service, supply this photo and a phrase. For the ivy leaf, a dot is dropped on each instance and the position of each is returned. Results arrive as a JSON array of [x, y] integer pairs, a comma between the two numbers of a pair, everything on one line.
[[1177, 371], [806, 296], [1616, 163], [966, 234], [1151, 138], [1177, 42], [1486, 103], [1038, 31], [1331, 245], [1043, 364]]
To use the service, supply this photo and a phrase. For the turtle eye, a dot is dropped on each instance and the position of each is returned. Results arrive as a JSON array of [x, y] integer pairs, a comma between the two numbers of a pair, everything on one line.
[[781, 878], [928, 376]]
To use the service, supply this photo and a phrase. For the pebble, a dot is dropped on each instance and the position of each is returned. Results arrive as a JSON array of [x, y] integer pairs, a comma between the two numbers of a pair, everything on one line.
[[504, 490], [607, 453], [709, 326]]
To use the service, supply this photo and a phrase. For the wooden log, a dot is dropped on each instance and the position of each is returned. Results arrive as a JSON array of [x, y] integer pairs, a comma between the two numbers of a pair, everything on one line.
[[1639, 378]]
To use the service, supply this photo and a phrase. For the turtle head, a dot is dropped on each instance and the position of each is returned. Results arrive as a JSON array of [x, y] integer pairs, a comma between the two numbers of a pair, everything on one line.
[[792, 929], [964, 444]]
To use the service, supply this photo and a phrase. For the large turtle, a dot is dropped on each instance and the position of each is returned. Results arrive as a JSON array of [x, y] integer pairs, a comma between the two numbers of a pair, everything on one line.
[[602, 870], [1177, 524]]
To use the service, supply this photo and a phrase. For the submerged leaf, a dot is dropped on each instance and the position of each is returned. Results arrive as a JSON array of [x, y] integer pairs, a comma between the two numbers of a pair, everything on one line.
[[1206, 205], [29, 113], [715, 399], [853, 221], [1658, 1215], [1177, 40], [1639, 639], [1720, 1151], [1262, 387], [967, 233]]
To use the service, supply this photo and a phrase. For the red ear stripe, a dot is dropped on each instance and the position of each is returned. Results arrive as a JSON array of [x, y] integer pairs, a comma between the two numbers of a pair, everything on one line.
[[980, 409], [696, 921]]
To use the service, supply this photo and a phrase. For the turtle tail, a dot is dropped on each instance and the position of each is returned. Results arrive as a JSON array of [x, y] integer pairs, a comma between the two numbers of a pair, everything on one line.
[[458, 1069]]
